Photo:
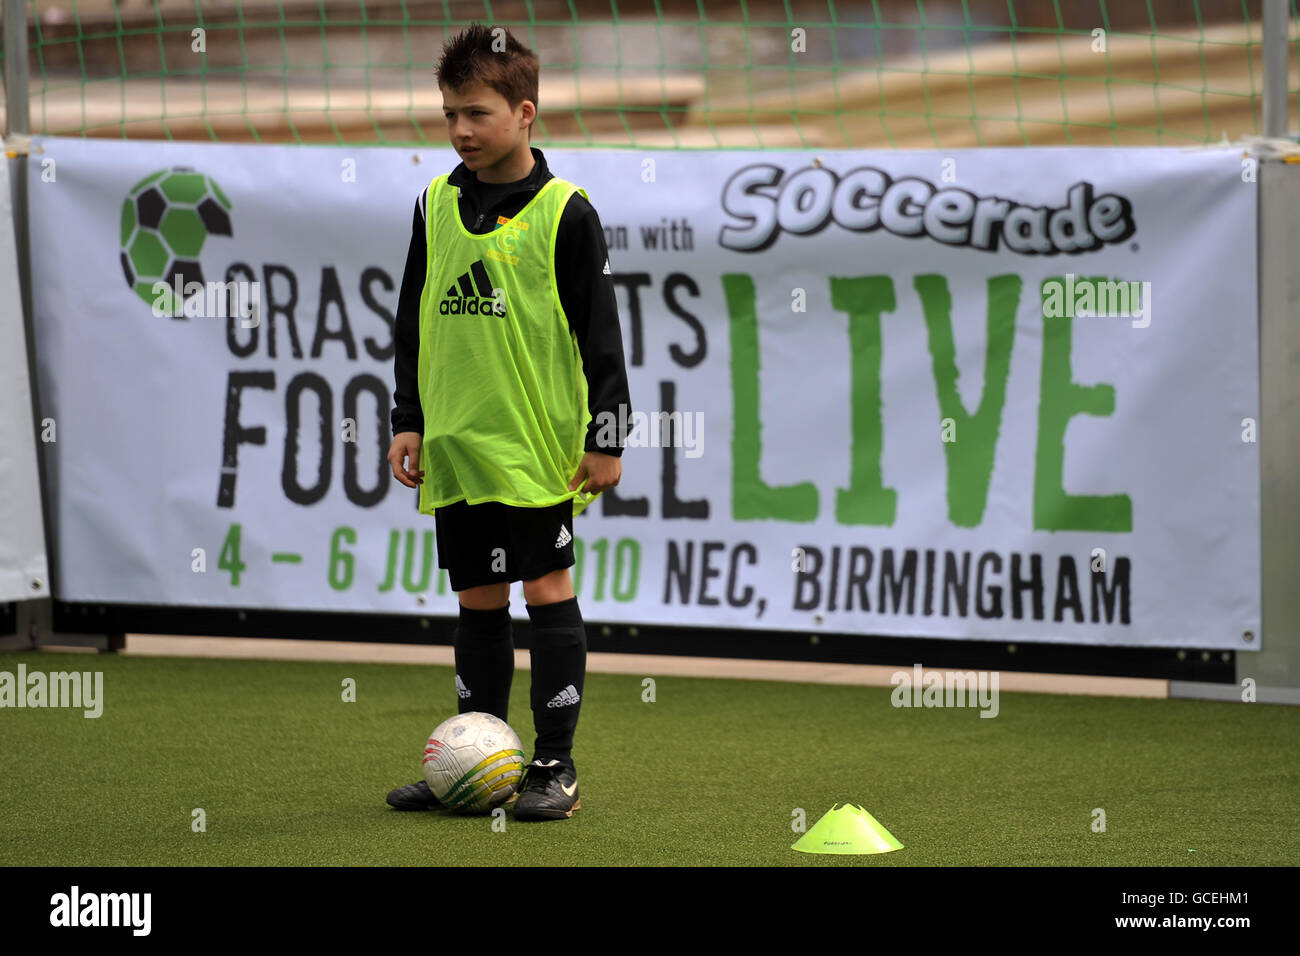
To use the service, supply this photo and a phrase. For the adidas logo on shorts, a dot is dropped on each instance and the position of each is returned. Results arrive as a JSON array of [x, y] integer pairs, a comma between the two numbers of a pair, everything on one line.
[[565, 698], [564, 537], [461, 690]]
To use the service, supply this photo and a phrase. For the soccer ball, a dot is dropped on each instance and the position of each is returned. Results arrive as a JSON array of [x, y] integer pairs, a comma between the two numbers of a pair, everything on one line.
[[165, 219], [473, 762]]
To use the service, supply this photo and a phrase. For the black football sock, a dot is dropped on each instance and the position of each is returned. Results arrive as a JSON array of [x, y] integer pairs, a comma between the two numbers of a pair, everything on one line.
[[485, 660], [559, 659]]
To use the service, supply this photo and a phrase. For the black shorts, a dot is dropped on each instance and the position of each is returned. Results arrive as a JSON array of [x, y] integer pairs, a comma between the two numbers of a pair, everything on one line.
[[532, 542]]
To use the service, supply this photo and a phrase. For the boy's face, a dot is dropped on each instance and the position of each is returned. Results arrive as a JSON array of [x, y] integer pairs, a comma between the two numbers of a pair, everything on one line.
[[481, 126]]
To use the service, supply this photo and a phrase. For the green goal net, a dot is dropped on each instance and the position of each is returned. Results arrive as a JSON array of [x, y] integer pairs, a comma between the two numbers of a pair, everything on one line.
[[918, 74]]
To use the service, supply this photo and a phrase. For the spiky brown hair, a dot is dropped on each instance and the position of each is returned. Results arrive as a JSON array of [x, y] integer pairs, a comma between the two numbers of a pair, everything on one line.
[[469, 58]]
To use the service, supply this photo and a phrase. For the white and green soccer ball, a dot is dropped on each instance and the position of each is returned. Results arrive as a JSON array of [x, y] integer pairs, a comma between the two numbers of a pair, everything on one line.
[[473, 762]]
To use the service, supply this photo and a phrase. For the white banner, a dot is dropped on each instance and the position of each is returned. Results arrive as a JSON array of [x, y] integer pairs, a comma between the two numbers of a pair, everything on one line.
[[1001, 394], [24, 573]]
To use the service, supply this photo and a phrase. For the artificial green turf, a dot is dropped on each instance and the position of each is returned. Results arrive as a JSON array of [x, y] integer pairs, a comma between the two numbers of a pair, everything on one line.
[[711, 772]]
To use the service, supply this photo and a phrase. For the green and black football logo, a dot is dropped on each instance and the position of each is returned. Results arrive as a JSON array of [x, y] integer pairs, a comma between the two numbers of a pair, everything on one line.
[[166, 217]]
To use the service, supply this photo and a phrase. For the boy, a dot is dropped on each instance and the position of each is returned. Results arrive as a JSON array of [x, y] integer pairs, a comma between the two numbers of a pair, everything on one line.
[[509, 353]]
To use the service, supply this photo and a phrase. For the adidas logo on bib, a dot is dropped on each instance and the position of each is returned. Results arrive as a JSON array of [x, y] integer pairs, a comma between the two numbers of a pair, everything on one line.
[[472, 295], [461, 690], [565, 698], [564, 537]]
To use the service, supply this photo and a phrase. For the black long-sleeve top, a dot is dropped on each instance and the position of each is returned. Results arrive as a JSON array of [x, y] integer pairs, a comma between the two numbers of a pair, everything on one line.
[[582, 276]]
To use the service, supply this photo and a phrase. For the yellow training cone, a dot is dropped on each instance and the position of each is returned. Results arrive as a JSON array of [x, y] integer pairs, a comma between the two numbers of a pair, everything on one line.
[[847, 829]]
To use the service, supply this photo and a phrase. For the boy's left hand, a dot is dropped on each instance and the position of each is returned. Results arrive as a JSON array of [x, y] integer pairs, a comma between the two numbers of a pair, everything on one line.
[[600, 470]]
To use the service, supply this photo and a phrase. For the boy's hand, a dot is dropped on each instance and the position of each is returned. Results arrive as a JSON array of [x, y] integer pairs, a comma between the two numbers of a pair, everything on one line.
[[406, 447], [600, 470]]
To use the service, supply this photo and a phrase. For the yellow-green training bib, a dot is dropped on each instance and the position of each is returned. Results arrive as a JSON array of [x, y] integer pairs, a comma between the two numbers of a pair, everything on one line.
[[500, 375]]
